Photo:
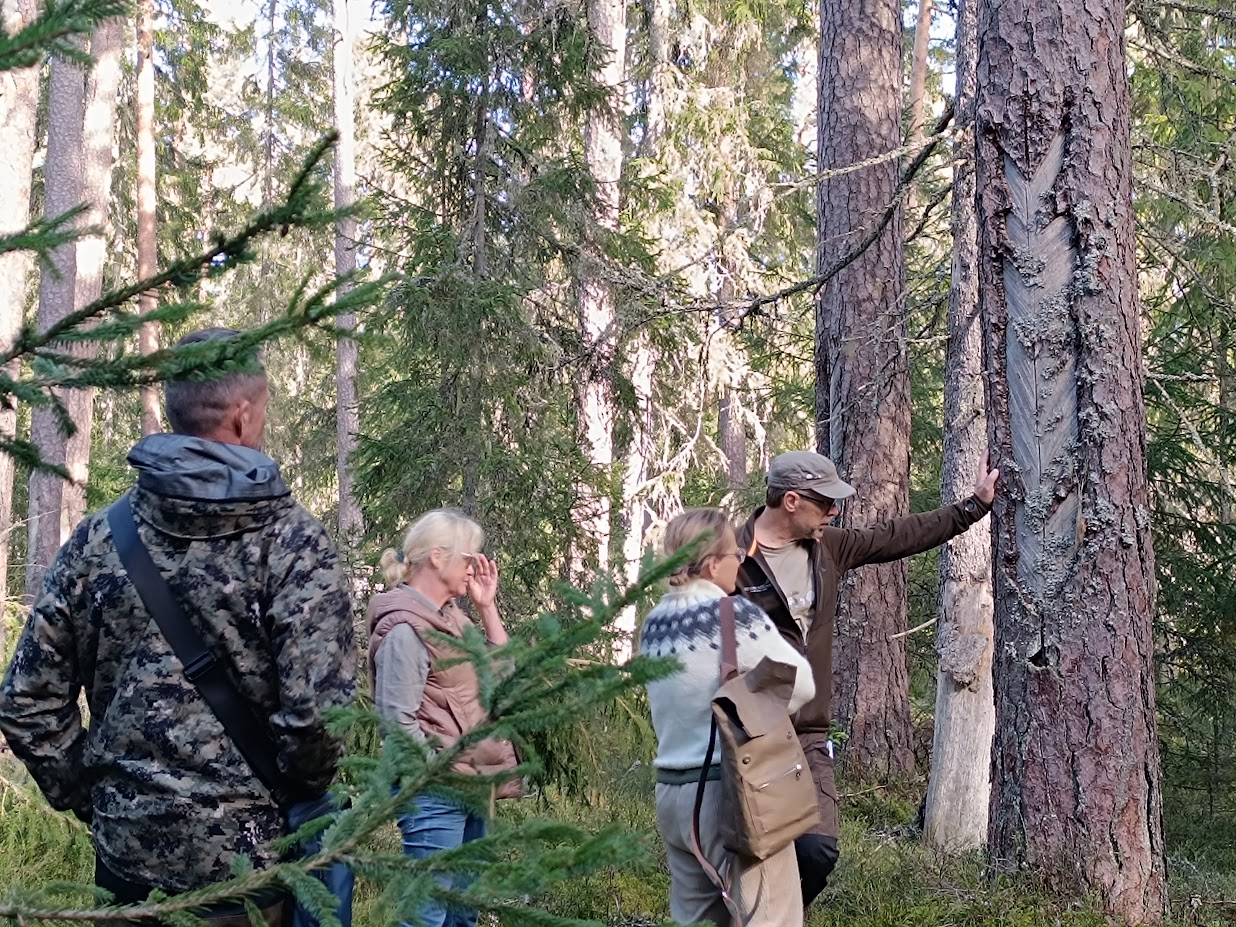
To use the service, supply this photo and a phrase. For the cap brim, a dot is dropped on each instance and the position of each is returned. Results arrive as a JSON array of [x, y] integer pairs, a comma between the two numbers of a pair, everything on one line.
[[836, 491]]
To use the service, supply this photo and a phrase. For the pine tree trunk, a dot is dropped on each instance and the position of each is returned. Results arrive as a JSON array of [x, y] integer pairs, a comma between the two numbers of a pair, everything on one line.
[[603, 154], [1076, 778], [733, 437], [147, 242], [82, 124], [347, 414], [918, 70], [862, 391], [19, 102], [959, 790]]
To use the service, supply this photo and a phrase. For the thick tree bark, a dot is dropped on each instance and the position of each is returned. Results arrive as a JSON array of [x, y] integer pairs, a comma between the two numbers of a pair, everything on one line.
[[1076, 780], [347, 412], [603, 153], [147, 242], [83, 121], [862, 390], [959, 789], [19, 102]]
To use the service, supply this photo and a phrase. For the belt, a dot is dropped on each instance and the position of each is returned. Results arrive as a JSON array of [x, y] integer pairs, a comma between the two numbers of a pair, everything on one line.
[[687, 776]]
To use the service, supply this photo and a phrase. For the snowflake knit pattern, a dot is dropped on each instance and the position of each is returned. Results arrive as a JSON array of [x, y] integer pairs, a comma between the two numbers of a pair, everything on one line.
[[686, 626]]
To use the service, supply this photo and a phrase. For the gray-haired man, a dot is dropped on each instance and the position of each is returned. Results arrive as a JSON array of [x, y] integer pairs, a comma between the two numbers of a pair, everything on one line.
[[169, 797]]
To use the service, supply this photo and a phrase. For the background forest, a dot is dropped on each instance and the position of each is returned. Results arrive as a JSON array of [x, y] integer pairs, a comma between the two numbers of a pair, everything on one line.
[[612, 257]]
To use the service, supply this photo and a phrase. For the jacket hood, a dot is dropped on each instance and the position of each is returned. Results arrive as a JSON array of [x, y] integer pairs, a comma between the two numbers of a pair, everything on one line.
[[193, 488]]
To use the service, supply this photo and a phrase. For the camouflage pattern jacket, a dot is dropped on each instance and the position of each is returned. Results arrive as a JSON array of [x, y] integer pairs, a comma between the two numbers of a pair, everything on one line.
[[169, 798]]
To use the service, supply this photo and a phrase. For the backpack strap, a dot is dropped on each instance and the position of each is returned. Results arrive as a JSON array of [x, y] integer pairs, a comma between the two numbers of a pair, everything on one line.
[[729, 640], [715, 877], [729, 669], [250, 735]]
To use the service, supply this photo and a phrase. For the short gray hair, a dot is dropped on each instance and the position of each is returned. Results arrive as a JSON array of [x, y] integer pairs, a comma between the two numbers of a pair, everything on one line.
[[197, 407]]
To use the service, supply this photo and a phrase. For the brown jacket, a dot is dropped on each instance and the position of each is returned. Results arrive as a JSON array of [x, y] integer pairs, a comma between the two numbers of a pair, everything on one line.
[[839, 550], [451, 705]]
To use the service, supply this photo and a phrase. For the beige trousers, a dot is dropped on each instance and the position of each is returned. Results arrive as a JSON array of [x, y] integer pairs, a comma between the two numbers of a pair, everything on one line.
[[767, 893]]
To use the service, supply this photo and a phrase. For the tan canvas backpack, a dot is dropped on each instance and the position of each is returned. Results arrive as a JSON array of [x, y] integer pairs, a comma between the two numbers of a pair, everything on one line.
[[768, 798]]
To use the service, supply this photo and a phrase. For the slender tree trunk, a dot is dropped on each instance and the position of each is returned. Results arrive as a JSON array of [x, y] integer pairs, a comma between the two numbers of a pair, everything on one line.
[[959, 790], [918, 79], [78, 170], [147, 242], [862, 390], [1076, 780], [635, 474], [918, 70], [603, 153], [733, 437], [347, 414], [19, 102]]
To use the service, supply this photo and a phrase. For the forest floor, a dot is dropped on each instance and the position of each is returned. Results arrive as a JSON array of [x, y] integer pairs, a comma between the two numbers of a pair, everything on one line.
[[886, 877]]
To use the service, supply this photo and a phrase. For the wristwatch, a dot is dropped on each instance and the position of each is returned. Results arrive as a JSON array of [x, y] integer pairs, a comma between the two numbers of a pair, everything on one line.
[[971, 506]]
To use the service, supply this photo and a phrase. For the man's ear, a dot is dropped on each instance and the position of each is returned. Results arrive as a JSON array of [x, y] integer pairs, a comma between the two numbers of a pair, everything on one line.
[[238, 420], [789, 501]]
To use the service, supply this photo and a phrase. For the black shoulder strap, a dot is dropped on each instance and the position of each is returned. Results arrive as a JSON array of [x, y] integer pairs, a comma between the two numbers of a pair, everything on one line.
[[251, 736]]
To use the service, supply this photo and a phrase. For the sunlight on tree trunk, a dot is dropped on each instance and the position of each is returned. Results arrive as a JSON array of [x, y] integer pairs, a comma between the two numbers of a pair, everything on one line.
[[79, 170], [959, 789], [862, 389], [147, 241], [19, 103], [1076, 789], [603, 153], [347, 415]]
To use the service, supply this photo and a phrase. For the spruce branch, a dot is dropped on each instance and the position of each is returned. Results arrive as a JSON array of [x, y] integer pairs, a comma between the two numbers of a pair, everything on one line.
[[55, 31], [541, 682]]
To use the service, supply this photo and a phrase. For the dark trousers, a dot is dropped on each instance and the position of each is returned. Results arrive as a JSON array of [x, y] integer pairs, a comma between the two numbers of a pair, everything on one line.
[[817, 855], [227, 914]]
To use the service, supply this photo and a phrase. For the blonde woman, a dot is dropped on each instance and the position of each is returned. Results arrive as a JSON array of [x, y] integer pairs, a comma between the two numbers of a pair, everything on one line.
[[685, 625], [440, 560]]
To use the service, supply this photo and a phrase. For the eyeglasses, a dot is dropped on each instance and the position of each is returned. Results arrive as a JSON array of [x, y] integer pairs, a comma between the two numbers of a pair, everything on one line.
[[739, 555], [824, 504]]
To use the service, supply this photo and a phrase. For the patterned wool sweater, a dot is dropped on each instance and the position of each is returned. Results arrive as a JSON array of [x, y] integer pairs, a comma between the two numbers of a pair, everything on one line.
[[685, 625]]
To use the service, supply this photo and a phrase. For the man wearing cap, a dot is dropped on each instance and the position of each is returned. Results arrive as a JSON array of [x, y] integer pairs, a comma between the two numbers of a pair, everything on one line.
[[795, 561]]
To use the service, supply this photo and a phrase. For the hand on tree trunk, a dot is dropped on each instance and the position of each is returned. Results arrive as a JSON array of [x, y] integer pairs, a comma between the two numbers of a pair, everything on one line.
[[985, 488]]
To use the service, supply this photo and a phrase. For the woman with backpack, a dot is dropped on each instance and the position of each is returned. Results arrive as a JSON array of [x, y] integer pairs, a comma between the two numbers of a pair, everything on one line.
[[685, 625]]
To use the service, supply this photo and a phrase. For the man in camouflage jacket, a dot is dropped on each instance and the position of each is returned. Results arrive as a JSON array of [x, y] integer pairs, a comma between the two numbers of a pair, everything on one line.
[[169, 798]]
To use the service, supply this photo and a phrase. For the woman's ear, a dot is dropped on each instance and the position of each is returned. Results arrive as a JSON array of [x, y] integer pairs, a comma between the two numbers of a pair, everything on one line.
[[437, 557]]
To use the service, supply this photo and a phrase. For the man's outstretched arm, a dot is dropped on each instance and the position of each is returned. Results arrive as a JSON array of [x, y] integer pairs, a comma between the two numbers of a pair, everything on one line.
[[913, 534]]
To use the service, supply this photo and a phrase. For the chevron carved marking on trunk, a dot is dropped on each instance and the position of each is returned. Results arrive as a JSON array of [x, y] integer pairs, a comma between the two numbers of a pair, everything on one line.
[[1042, 374]]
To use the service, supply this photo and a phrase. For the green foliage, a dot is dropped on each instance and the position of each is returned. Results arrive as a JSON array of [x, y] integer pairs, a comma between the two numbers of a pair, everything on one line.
[[1185, 114], [57, 30], [529, 686]]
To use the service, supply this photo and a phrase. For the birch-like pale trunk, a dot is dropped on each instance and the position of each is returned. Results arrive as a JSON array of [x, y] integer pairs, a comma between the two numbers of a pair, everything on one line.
[[147, 240], [79, 170], [959, 788], [19, 103], [347, 411], [862, 386], [1076, 780], [603, 154]]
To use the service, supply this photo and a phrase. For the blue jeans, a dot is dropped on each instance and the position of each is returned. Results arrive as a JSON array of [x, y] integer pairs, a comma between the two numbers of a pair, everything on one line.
[[432, 824], [337, 877]]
